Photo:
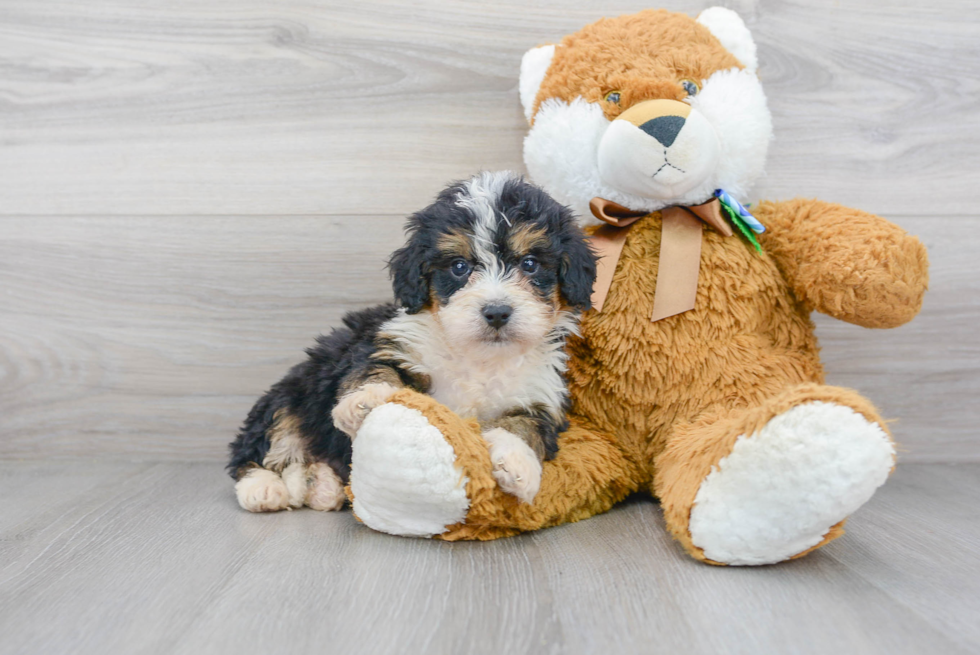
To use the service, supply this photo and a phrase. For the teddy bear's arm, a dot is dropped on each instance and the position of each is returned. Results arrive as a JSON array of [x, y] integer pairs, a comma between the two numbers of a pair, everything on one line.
[[846, 263]]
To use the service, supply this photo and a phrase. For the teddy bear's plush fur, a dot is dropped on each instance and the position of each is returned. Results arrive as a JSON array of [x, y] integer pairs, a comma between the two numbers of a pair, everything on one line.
[[721, 412]]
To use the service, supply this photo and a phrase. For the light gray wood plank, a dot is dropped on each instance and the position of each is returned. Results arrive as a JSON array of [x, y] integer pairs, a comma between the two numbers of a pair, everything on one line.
[[919, 543], [153, 550], [241, 107], [344, 587], [38, 493], [165, 331], [166, 562], [653, 594], [152, 337]]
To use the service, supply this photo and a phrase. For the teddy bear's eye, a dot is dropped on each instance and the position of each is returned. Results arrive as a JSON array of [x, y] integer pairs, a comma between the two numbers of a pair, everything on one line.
[[689, 86], [612, 96]]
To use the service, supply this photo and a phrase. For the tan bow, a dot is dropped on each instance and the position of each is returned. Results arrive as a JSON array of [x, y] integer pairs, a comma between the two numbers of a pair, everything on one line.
[[680, 251]]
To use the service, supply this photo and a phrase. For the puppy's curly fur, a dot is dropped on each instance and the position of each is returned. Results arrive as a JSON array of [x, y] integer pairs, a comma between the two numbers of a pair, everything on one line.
[[488, 286]]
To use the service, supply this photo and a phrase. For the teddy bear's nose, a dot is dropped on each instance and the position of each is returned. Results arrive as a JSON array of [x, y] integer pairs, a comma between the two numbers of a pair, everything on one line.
[[664, 129]]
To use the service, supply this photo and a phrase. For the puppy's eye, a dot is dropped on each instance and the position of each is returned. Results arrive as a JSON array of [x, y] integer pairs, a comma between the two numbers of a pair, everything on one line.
[[613, 97], [529, 265], [459, 267], [691, 88]]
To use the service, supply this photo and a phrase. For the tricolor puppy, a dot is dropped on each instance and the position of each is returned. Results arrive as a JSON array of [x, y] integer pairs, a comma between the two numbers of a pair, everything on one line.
[[488, 287]]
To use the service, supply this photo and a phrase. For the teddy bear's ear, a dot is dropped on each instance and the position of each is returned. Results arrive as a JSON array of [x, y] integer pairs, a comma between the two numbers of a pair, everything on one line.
[[727, 26], [533, 67]]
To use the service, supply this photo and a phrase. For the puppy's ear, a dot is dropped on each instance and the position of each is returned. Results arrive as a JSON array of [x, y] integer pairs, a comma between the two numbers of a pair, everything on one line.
[[576, 273], [408, 276]]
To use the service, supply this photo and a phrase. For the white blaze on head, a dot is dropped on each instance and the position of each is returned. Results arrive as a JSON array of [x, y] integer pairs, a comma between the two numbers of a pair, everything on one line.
[[479, 196]]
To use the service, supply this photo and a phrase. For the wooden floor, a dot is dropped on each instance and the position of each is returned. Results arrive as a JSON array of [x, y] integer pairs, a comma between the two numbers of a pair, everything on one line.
[[157, 558]]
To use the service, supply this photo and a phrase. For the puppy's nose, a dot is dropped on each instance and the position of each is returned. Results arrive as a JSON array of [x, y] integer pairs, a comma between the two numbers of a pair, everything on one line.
[[664, 129], [497, 315]]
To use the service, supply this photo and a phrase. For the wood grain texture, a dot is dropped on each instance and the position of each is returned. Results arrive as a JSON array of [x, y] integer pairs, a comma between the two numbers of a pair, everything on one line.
[[151, 338], [159, 559], [145, 337], [232, 175], [323, 107]]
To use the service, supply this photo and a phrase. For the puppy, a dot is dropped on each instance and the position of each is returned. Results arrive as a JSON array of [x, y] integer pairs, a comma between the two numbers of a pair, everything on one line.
[[488, 286]]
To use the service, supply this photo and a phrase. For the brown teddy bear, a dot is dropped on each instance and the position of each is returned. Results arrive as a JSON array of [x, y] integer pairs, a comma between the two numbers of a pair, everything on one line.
[[696, 377]]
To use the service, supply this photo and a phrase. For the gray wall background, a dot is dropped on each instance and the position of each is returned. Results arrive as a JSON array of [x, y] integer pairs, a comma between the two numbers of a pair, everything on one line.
[[190, 191]]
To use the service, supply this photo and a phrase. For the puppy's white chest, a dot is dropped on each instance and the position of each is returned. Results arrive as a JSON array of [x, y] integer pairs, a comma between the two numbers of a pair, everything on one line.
[[479, 382], [482, 389]]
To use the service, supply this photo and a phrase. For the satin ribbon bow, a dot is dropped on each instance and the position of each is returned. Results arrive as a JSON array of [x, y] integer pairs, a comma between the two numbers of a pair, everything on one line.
[[680, 250]]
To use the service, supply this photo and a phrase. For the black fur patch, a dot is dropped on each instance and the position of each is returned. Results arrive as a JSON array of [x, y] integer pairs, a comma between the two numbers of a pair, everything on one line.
[[420, 269], [310, 391]]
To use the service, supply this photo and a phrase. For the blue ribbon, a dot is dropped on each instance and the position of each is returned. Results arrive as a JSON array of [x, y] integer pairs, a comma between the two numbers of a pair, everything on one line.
[[740, 210]]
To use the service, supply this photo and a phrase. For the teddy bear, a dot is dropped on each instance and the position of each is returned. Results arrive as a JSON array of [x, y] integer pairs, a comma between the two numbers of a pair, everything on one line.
[[696, 377]]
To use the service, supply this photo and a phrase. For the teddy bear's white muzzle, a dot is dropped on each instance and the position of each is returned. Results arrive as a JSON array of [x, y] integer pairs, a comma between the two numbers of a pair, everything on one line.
[[660, 157]]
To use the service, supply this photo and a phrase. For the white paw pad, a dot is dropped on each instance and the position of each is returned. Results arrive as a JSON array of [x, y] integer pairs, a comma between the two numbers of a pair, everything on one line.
[[781, 489], [515, 466], [404, 476], [353, 408], [261, 490]]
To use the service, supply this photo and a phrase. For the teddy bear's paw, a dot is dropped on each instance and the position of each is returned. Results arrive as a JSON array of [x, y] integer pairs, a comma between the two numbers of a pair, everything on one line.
[[324, 488], [261, 490], [516, 468], [404, 477], [779, 491], [353, 408]]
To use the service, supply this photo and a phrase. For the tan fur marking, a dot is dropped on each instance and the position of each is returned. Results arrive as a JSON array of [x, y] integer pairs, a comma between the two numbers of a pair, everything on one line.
[[286, 443], [456, 244], [525, 238], [379, 375]]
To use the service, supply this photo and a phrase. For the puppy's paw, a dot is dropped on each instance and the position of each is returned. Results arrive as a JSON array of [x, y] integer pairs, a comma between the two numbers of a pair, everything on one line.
[[515, 466], [261, 490], [352, 409], [326, 490], [297, 482]]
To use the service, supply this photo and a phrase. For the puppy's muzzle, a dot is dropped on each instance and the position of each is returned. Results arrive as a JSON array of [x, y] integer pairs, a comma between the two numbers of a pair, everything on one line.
[[497, 315]]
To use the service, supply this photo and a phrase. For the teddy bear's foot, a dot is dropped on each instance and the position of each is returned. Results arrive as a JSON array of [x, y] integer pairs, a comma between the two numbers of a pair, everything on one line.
[[404, 478], [780, 491]]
